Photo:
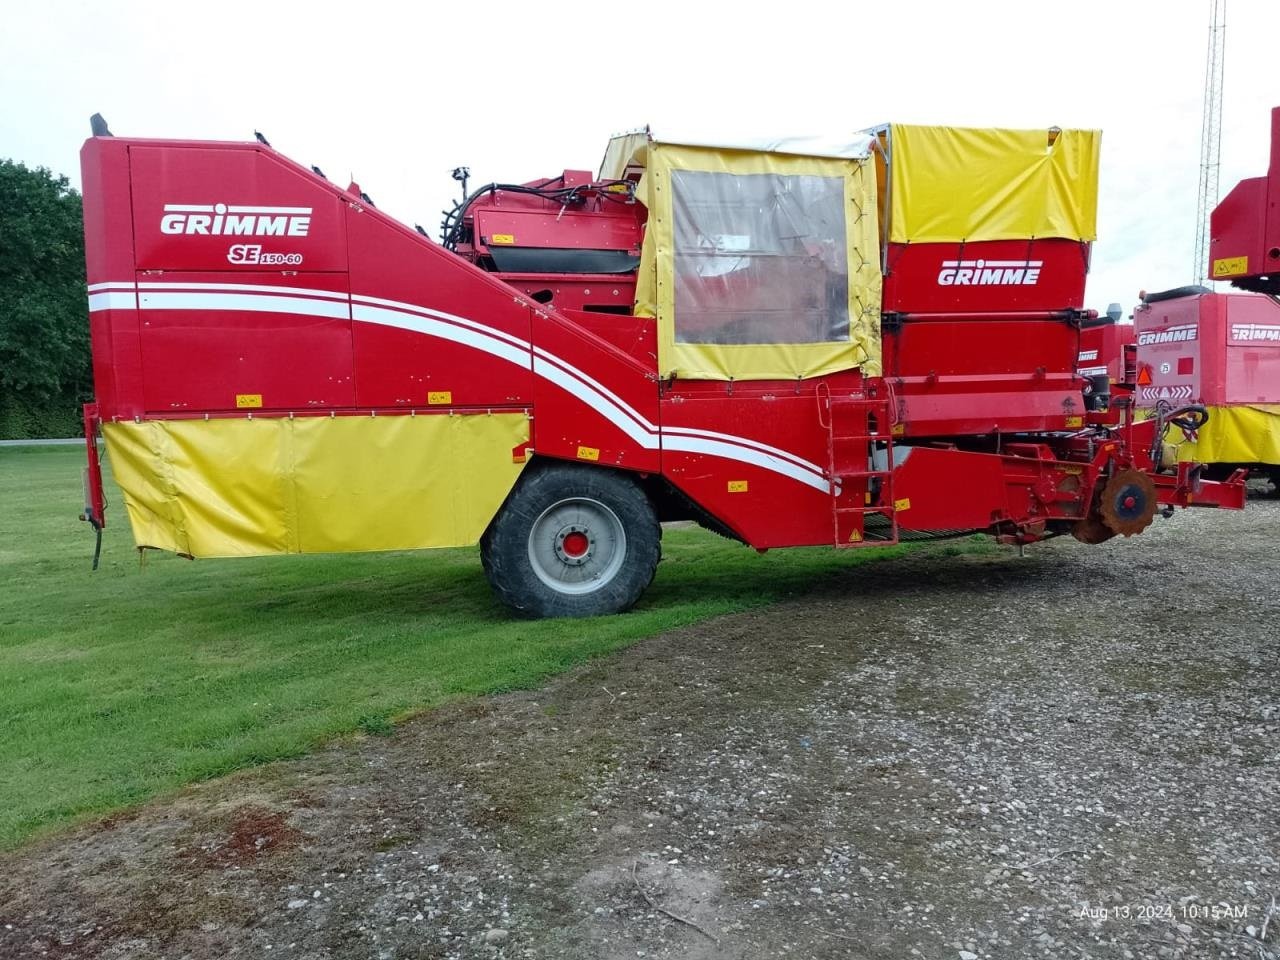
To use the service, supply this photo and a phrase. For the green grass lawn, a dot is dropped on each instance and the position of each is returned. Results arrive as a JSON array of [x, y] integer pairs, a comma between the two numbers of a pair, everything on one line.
[[124, 683]]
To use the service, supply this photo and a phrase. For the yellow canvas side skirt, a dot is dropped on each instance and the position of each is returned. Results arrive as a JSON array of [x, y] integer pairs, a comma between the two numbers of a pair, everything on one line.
[[1244, 434], [247, 487]]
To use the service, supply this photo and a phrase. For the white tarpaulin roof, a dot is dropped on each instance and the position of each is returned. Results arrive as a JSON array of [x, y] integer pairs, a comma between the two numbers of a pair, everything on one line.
[[623, 146]]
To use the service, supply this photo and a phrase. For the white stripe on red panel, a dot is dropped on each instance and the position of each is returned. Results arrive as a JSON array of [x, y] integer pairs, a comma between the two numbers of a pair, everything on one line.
[[461, 330]]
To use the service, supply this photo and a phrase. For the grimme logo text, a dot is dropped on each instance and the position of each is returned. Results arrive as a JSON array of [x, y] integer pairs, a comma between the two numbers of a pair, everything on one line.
[[1179, 334], [986, 273], [1255, 332], [219, 219]]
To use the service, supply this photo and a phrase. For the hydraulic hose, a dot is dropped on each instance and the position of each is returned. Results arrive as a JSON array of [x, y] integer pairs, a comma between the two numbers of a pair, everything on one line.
[[1189, 419]]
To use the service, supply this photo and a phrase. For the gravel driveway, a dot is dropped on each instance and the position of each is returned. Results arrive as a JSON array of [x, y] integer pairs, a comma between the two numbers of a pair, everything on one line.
[[949, 755]]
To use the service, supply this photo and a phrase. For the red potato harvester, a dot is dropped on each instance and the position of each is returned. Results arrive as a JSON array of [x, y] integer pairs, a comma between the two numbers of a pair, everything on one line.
[[790, 342]]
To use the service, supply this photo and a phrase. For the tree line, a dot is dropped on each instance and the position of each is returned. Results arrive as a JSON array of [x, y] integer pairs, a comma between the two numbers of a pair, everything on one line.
[[45, 370]]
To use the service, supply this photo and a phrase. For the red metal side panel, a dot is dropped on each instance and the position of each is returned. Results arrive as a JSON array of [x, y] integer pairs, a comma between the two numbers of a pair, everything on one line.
[[981, 348], [113, 317], [1271, 233], [1178, 358], [429, 327], [1102, 350], [593, 229], [988, 277], [108, 219], [1245, 226], [239, 260], [232, 207], [601, 295], [982, 342], [997, 409], [1252, 362], [635, 336], [1237, 229], [213, 342], [940, 489], [982, 376], [594, 403], [756, 459], [1217, 348]]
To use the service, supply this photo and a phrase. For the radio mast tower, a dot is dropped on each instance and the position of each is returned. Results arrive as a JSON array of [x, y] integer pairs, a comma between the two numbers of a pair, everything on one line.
[[1210, 136]]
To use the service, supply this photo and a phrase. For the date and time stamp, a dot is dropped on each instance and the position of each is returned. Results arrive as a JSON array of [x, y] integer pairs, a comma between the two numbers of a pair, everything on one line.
[[1147, 912]]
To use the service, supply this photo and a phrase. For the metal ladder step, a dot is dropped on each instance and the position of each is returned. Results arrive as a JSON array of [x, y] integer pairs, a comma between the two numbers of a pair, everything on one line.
[[848, 426]]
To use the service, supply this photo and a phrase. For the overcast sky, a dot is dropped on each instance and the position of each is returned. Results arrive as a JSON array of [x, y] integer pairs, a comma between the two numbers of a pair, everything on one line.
[[400, 93]]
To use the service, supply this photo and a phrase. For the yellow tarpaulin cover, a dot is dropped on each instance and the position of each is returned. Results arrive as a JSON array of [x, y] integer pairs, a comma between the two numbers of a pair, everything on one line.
[[759, 265], [222, 488], [953, 184], [1245, 434]]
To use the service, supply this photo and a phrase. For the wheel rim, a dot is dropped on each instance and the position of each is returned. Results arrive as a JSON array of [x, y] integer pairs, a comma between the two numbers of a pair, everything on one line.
[[577, 545]]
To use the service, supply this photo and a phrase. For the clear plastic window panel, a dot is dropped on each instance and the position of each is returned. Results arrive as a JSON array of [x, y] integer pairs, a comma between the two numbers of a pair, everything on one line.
[[760, 259]]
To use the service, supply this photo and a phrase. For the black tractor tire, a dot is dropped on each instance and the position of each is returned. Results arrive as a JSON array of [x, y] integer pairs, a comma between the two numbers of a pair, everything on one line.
[[572, 541]]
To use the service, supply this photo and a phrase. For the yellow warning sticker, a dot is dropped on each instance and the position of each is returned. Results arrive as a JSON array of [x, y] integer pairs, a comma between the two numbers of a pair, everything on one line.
[[903, 504], [1075, 421], [503, 238], [737, 486], [588, 453], [439, 398], [247, 400], [899, 429], [1230, 266], [855, 536]]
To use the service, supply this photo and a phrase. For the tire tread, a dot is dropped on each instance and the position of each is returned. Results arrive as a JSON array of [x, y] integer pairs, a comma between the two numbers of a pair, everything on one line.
[[504, 546]]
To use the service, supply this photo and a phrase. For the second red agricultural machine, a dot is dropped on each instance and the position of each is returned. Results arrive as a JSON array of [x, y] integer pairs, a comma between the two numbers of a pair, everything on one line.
[[791, 343], [1220, 351]]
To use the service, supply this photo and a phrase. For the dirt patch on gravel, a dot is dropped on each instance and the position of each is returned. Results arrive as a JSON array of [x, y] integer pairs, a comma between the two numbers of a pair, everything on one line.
[[1075, 753], [252, 833]]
